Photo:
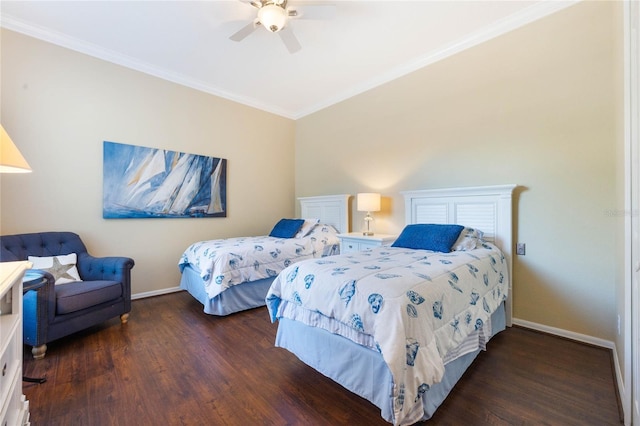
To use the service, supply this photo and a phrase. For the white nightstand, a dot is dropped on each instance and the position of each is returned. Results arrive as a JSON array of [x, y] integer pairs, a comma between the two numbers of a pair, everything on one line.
[[355, 241]]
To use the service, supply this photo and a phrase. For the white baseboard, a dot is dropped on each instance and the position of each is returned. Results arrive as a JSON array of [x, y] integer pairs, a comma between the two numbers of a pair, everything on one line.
[[155, 293], [565, 333], [622, 393], [584, 339]]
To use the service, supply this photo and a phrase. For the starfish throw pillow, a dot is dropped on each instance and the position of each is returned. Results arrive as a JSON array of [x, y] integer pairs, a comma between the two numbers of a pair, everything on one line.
[[63, 267]]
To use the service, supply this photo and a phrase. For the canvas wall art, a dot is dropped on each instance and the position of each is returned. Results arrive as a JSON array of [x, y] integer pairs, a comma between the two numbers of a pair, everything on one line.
[[141, 182]]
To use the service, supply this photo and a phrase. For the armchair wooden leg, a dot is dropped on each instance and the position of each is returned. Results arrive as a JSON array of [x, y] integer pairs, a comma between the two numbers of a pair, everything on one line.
[[38, 352], [124, 318]]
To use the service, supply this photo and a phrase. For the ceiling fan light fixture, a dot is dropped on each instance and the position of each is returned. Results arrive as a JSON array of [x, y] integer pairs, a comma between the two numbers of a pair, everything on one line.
[[272, 17]]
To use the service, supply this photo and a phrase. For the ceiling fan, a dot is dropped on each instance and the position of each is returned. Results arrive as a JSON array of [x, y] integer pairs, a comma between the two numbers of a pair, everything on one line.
[[274, 15]]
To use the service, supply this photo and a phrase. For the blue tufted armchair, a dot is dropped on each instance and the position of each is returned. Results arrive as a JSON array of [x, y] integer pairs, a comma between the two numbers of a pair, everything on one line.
[[55, 311]]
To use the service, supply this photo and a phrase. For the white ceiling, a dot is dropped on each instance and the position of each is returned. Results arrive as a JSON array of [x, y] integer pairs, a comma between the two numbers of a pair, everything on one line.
[[364, 45]]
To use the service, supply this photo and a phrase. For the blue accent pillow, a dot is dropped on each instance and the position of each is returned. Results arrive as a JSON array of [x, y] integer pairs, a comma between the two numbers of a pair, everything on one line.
[[427, 236], [286, 228]]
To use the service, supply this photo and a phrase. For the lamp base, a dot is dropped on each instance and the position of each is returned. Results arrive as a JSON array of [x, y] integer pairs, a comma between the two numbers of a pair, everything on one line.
[[367, 221]]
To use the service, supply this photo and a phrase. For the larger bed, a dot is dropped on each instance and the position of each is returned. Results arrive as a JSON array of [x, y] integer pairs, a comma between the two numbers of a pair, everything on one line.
[[396, 325], [233, 274]]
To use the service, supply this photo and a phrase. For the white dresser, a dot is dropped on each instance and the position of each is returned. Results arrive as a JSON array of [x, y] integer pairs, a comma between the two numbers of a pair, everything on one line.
[[15, 408], [355, 241]]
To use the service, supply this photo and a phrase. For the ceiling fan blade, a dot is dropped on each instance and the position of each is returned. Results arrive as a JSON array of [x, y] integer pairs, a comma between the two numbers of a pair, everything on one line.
[[244, 31], [315, 11], [254, 3], [290, 40]]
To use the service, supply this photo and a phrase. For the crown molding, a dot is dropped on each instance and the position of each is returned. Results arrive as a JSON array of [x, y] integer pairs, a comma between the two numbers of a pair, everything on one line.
[[96, 51], [510, 23]]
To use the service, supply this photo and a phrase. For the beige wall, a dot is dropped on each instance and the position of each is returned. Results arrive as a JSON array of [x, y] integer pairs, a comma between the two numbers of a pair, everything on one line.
[[538, 107], [535, 107], [59, 106]]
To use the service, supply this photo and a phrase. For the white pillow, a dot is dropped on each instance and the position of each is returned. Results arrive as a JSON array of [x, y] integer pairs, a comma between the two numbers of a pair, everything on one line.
[[469, 239], [63, 267], [306, 227]]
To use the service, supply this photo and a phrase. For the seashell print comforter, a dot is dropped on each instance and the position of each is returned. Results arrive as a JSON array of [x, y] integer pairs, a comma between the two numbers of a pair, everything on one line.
[[413, 306], [227, 262]]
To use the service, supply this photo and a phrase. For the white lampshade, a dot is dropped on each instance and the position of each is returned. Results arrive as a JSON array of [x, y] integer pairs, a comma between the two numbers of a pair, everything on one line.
[[368, 202], [11, 160], [272, 17]]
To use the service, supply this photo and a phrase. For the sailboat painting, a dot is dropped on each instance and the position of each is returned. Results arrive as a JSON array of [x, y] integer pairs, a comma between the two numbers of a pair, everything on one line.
[[140, 182]]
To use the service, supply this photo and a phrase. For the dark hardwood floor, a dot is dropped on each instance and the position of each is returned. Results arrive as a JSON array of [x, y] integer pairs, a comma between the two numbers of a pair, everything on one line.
[[174, 365]]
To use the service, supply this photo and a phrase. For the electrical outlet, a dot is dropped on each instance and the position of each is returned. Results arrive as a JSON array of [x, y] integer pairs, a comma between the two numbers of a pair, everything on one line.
[[619, 331], [520, 249]]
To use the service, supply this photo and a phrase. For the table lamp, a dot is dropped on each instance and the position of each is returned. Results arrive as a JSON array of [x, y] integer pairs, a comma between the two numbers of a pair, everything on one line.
[[368, 202], [11, 161]]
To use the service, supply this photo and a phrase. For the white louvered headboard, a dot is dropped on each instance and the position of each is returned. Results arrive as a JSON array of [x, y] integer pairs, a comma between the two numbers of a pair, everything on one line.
[[487, 208], [330, 209]]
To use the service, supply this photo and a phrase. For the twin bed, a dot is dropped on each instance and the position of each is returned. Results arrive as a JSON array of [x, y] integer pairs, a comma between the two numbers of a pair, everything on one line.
[[399, 325], [233, 274], [396, 325]]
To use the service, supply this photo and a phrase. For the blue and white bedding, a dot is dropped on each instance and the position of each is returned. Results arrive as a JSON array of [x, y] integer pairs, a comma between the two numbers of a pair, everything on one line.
[[227, 262], [415, 307]]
